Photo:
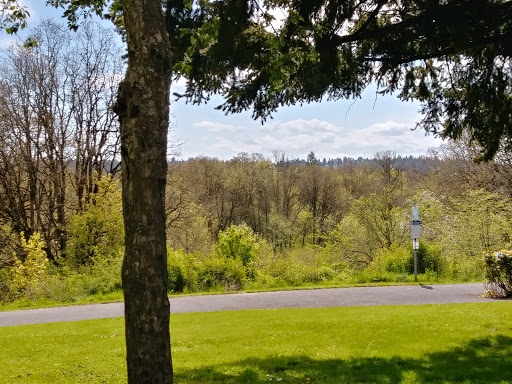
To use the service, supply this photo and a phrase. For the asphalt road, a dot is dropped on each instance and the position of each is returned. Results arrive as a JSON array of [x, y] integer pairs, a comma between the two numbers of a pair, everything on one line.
[[316, 298]]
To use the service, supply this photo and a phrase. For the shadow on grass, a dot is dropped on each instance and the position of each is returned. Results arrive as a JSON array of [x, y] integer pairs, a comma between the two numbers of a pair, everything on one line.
[[482, 361]]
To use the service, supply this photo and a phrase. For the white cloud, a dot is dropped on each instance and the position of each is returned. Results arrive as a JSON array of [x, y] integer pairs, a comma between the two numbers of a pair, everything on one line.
[[299, 137], [300, 125], [212, 126], [390, 135]]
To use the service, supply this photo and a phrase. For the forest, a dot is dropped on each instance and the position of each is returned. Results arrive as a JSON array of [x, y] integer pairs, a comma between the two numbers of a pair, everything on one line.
[[246, 223]]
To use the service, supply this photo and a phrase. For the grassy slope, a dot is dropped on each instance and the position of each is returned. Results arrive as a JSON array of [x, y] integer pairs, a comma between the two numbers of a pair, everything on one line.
[[460, 343]]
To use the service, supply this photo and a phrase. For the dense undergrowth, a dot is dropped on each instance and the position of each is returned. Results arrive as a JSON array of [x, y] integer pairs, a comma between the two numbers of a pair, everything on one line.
[[221, 271]]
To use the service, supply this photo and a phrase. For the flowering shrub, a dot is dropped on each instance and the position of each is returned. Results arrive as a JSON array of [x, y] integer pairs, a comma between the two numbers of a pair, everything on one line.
[[498, 273]]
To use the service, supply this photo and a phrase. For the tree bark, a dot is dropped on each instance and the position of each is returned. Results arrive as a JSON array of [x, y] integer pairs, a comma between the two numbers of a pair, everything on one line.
[[143, 110]]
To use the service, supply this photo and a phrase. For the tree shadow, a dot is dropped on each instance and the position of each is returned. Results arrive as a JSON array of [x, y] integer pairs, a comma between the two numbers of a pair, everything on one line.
[[480, 361]]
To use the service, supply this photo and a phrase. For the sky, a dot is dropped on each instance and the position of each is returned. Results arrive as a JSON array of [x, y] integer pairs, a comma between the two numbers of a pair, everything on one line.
[[351, 128]]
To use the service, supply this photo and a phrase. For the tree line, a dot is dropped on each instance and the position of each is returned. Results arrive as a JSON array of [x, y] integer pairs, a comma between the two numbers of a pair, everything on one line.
[[273, 222], [294, 205]]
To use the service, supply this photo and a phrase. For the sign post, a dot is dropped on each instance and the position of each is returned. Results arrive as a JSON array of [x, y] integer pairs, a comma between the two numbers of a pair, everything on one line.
[[415, 236]]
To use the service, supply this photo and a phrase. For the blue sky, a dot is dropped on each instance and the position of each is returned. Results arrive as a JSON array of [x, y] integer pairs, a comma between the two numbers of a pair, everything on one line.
[[330, 129]]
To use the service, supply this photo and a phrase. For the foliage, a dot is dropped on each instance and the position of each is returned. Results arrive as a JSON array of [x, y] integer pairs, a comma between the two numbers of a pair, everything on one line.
[[190, 230], [498, 273], [296, 267], [429, 258], [384, 222], [189, 272], [351, 241], [9, 243], [57, 126], [478, 221], [29, 276], [13, 16], [238, 242], [97, 232], [395, 260]]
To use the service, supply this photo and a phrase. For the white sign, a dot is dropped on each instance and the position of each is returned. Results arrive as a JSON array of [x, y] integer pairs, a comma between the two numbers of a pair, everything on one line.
[[415, 213], [415, 244], [415, 231], [415, 223]]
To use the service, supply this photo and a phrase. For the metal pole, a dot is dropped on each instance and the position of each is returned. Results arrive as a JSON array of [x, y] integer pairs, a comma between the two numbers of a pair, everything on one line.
[[415, 266]]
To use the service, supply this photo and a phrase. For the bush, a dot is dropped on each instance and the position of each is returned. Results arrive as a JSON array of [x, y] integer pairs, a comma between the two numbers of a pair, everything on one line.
[[28, 276], [194, 272], [400, 260], [394, 260], [466, 268], [97, 232], [5, 284], [498, 273], [222, 273], [238, 242], [429, 259]]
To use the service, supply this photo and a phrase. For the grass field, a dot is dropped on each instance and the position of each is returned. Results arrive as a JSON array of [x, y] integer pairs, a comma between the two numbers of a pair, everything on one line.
[[459, 343]]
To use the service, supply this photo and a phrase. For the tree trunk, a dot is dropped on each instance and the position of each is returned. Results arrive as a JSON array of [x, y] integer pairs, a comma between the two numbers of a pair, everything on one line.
[[143, 110]]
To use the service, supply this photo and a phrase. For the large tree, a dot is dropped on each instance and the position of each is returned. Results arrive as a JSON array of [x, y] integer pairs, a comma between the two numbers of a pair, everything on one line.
[[143, 110], [56, 114]]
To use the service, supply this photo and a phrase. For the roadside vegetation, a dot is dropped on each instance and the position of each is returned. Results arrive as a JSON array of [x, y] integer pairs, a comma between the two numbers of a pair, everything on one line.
[[393, 344]]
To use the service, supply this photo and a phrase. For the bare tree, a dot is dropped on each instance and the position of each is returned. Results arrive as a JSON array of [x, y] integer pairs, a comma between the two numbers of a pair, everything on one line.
[[56, 110]]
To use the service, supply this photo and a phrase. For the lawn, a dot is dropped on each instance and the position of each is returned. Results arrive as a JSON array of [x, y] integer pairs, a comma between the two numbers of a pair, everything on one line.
[[458, 343]]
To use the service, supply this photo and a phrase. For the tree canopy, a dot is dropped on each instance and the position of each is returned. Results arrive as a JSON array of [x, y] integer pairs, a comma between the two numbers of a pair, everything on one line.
[[453, 56]]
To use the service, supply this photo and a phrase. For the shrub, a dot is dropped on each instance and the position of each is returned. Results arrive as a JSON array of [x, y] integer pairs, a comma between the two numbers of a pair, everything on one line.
[[5, 284], [28, 276], [429, 259], [222, 273], [466, 268], [194, 272], [178, 264], [9, 243], [239, 242], [97, 232], [498, 273], [394, 260], [175, 279]]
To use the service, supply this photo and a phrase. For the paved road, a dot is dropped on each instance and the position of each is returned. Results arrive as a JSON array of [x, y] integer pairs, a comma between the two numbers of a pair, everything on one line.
[[335, 297]]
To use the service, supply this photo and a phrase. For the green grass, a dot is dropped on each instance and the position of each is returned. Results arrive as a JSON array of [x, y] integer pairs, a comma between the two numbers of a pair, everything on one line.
[[26, 303], [458, 343]]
